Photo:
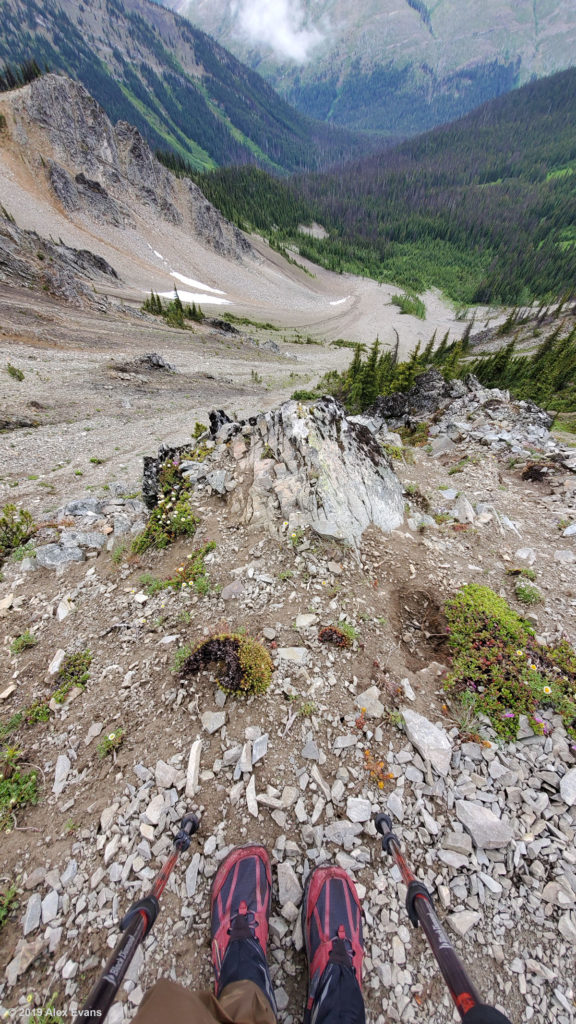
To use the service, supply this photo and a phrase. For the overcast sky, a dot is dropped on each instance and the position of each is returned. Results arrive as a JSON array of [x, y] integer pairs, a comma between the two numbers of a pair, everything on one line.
[[280, 24]]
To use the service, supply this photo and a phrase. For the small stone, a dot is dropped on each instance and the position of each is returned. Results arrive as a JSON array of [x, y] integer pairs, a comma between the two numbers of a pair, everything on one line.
[[398, 951], [193, 768], [33, 913], [487, 831], [370, 703], [49, 907], [64, 609], [61, 773], [431, 742], [251, 801], [570, 531], [310, 751], [212, 721], [526, 555], [463, 510], [358, 809], [453, 860], [305, 621], [564, 556], [289, 888], [268, 633], [568, 787], [155, 809], [395, 806], [69, 970], [232, 590], [165, 775], [8, 691], [341, 832], [192, 875], [57, 661], [259, 748], [94, 731], [462, 921], [297, 655]]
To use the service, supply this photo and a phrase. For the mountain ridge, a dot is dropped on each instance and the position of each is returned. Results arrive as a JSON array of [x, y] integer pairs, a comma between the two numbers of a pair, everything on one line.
[[397, 67], [146, 65]]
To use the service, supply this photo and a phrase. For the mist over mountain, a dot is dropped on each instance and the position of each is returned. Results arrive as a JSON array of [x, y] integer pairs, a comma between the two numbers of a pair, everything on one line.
[[183, 91], [394, 66]]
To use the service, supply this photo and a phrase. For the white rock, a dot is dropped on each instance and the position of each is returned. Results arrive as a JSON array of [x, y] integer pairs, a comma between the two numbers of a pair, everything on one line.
[[8, 691], [56, 663], [251, 801], [33, 913], [305, 621], [289, 888], [370, 702], [64, 609], [155, 809], [487, 831], [430, 741], [358, 809], [50, 907], [568, 787], [192, 874], [297, 655], [212, 721], [61, 773], [193, 768], [165, 775], [462, 921]]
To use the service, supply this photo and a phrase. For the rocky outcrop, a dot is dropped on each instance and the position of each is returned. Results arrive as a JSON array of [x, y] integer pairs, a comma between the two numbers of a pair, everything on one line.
[[27, 259], [108, 172], [465, 410], [292, 469]]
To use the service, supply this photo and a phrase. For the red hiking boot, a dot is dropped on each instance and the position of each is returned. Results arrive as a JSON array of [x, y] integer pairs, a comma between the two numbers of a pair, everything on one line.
[[239, 909], [332, 927]]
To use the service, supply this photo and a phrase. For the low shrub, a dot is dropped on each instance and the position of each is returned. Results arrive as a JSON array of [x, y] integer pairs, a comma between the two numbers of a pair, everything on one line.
[[246, 664], [499, 669]]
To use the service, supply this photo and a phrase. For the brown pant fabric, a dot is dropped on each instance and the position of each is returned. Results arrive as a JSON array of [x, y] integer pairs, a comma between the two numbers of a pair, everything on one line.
[[241, 1002]]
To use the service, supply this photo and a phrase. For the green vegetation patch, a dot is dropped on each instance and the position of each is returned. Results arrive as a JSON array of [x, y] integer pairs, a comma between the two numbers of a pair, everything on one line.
[[411, 305], [8, 903], [500, 670], [18, 788], [245, 664], [75, 671], [23, 642], [16, 528], [111, 742], [192, 573], [172, 516]]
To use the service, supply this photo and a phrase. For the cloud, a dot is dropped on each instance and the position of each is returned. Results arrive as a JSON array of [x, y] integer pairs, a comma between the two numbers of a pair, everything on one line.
[[280, 24]]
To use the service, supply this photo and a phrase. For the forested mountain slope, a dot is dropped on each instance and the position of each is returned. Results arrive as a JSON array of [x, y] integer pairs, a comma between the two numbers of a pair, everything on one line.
[[484, 208], [183, 91], [395, 66]]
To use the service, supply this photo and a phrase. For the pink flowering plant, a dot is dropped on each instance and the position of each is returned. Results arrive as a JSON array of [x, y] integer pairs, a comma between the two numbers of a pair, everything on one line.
[[500, 670]]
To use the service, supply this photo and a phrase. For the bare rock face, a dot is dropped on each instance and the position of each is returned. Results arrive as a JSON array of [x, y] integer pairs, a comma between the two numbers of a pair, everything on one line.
[[294, 468], [106, 171], [32, 261], [316, 468]]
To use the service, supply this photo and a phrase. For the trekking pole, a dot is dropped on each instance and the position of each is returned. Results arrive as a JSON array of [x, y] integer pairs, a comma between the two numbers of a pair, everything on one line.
[[135, 926], [421, 911]]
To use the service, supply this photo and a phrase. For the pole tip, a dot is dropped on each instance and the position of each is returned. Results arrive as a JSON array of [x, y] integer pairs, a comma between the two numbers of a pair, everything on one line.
[[383, 823]]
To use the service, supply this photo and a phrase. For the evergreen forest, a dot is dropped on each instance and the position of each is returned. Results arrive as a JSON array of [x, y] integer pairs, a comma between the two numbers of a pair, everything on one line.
[[483, 208]]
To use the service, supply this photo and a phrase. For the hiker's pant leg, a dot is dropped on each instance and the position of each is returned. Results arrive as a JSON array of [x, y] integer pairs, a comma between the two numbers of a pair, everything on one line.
[[241, 1002], [339, 998]]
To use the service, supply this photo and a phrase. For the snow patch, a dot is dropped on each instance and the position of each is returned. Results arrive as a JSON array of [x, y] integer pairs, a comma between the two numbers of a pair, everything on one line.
[[338, 302], [195, 284]]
